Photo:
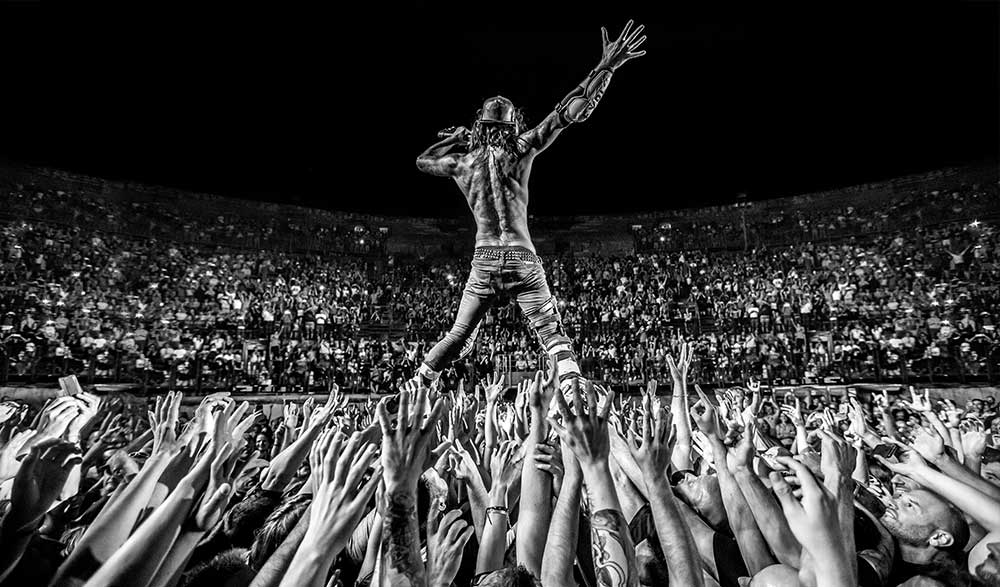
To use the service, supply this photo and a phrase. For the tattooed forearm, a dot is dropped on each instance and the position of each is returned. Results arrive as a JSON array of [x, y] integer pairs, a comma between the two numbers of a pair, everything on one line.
[[614, 553], [580, 103], [401, 541]]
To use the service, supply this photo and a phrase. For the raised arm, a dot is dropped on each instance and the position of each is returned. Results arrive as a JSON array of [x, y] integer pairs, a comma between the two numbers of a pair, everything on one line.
[[338, 504], [116, 520], [681, 458], [494, 535], [773, 525], [653, 457], [586, 433], [403, 459], [437, 159], [578, 105], [748, 536], [560, 546], [36, 487], [536, 485]]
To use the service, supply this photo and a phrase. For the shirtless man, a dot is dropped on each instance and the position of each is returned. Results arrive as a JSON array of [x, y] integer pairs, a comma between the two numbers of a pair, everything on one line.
[[491, 164]]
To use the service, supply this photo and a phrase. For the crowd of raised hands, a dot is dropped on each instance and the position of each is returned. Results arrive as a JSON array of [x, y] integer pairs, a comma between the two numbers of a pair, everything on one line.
[[540, 484]]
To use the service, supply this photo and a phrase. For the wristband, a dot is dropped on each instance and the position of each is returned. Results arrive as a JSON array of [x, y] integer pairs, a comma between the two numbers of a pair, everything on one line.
[[499, 509]]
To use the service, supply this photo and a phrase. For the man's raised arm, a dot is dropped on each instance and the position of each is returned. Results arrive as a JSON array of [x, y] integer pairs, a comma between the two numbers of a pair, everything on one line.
[[437, 160], [580, 103]]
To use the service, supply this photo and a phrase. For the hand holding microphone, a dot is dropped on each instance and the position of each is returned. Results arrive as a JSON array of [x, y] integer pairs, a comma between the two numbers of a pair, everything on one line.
[[456, 132]]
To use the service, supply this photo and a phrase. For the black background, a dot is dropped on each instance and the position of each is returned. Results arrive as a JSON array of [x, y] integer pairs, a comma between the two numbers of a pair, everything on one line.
[[331, 108]]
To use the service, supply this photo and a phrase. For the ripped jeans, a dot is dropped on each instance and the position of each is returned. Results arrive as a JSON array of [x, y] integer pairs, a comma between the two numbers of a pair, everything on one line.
[[513, 272]]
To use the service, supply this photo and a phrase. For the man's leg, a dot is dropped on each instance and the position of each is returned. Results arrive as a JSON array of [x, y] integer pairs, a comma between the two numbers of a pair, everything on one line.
[[477, 298], [539, 307]]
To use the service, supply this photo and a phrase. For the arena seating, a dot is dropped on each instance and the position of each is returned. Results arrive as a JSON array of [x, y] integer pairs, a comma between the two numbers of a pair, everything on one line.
[[888, 282]]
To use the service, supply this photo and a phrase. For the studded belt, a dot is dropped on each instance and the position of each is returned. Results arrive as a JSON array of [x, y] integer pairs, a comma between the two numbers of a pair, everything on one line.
[[505, 253]]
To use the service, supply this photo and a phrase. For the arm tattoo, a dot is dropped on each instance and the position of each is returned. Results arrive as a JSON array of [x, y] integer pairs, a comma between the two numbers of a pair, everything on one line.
[[401, 541], [578, 105], [614, 554]]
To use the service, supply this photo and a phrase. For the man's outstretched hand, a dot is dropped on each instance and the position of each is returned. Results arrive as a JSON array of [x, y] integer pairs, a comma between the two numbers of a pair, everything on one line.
[[624, 47]]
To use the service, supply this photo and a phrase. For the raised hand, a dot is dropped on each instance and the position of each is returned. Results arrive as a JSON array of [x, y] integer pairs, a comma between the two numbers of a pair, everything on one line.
[[507, 422], [751, 410], [837, 459], [237, 422], [814, 522], [447, 536], [794, 412], [859, 426], [505, 468], [219, 490], [973, 440], [953, 414], [543, 389], [623, 47], [679, 369], [521, 407], [404, 457], [308, 407], [919, 403], [7, 410], [405, 446], [653, 453], [910, 462], [493, 388], [549, 459], [291, 416], [828, 420], [741, 456], [586, 430], [56, 418], [335, 401], [9, 464], [730, 407], [88, 405], [928, 443], [341, 492], [204, 414], [163, 421], [462, 464], [40, 480], [651, 387], [705, 416]]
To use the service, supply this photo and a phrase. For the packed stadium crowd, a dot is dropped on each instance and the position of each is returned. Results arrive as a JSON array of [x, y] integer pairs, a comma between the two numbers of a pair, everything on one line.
[[208, 220], [813, 218], [486, 486], [110, 305]]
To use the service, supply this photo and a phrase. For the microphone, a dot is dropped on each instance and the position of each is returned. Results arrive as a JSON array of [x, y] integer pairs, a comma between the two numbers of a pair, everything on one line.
[[447, 132]]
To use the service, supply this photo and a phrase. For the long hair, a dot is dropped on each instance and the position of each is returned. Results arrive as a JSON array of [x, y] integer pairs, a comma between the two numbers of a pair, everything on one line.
[[505, 136]]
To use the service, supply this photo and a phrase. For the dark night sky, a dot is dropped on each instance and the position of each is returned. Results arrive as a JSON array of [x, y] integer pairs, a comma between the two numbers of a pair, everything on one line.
[[331, 109]]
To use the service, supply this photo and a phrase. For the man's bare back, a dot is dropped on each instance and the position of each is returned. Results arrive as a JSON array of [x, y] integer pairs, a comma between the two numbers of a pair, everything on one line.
[[495, 184]]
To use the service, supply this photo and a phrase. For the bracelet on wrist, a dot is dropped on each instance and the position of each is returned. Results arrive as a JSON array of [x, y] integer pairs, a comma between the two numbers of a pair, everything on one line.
[[497, 509]]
